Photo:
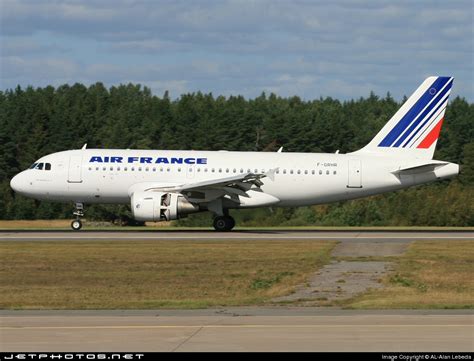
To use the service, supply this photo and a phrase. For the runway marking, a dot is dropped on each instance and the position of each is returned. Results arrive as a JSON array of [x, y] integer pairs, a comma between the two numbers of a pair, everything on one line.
[[213, 326]]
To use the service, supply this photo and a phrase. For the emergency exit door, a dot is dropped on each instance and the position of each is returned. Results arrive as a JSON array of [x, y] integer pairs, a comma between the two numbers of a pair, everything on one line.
[[354, 178], [75, 169]]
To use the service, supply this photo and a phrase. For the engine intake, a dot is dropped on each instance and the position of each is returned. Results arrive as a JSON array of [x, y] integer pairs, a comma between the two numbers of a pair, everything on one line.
[[160, 206]]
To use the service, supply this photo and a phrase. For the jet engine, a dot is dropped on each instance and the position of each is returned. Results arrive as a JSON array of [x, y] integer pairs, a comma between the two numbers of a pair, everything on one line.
[[160, 206]]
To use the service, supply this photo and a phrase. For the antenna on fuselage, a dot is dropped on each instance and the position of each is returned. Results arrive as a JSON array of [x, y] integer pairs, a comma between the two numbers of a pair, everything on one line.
[[280, 150], [84, 146]]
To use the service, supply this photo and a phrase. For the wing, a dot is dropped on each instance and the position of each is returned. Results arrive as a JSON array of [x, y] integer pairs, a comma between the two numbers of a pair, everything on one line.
[[237, 184], [231, 188]]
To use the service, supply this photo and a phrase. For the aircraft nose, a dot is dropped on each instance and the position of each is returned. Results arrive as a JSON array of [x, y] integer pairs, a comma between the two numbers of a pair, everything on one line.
[[18, 183]]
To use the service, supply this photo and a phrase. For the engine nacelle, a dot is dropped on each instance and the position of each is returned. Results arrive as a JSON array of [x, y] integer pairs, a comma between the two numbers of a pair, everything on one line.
[[160, 206]]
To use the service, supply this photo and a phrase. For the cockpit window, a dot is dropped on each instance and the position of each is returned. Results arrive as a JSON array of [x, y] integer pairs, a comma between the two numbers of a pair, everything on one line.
[[41, 166]]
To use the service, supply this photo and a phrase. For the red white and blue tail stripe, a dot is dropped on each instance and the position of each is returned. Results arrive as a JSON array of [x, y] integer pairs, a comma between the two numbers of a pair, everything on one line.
[[415, 128]]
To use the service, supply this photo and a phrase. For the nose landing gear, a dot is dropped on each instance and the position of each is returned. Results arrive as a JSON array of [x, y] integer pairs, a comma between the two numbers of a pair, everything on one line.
[[79, 212]]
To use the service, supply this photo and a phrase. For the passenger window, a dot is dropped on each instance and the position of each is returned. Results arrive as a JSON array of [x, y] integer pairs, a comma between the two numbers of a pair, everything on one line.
[[291, 171], [96, 168], [111, 168], [284, 171], [299, 172], [205, 170], [327, 172], [227, 170], [147, 169], [154, 169], [334, 172], [241, 170], [118, 168], [47, 166], [220, 170], [104, 168], [320, 172], [313, 172], [305, 172], [234, 170]]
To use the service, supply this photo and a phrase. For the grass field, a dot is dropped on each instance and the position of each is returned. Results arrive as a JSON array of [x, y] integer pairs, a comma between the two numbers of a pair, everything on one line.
[[199, 274], [431, 274], [152, 274]]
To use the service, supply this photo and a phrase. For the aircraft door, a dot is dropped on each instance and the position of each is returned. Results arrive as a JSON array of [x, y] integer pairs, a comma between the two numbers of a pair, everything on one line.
[[75, 169], [354, 179]]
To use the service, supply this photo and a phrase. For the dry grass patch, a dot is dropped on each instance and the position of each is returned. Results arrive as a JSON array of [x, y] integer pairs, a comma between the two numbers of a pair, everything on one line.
[[152, 274], [432, 274], [36, 224]]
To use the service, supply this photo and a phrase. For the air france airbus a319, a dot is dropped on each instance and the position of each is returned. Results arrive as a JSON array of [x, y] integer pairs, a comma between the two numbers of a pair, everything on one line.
[[163, 185]]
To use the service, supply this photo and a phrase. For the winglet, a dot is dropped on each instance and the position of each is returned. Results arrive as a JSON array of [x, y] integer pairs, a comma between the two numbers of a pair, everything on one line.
[[271, 173]]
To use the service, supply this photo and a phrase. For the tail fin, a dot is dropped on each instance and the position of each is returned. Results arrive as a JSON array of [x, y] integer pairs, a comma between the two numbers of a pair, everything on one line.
[[414, 129]]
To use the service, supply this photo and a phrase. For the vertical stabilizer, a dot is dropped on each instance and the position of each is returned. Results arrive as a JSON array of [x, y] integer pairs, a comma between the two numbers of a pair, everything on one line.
[[414, 129]]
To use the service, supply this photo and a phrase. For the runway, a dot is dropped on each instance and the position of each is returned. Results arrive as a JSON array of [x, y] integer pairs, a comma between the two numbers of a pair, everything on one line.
[[199, 235], [247, 329]]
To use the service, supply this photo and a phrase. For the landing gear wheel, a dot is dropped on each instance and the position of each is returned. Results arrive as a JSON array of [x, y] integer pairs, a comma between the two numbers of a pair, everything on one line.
[[223, 223], [78, 212], [232, 222], [76, 224]]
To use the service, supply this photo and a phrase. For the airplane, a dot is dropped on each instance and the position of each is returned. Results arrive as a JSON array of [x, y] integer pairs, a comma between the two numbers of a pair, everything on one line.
[[164, 185]]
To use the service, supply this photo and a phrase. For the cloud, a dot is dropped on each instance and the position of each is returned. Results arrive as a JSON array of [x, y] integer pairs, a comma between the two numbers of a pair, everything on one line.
[[342, 48]]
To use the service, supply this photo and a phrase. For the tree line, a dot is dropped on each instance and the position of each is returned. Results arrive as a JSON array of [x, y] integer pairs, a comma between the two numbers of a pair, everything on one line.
[[38, 121]]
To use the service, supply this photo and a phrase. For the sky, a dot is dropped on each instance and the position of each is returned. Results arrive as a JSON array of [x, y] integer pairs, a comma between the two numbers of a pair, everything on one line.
[[338, 48]]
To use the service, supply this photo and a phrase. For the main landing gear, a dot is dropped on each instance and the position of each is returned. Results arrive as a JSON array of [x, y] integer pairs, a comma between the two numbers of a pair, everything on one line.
[[79, 212], [223, 223]]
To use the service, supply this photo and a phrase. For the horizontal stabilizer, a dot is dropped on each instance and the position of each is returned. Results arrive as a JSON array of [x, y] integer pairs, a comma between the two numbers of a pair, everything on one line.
[[419, 168]]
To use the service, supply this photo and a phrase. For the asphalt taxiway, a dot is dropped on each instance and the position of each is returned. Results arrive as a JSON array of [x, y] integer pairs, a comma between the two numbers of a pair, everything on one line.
[[254, 235], [238, 329]]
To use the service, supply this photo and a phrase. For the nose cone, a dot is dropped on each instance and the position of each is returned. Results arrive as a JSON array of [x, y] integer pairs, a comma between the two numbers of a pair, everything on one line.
[[18, 183]]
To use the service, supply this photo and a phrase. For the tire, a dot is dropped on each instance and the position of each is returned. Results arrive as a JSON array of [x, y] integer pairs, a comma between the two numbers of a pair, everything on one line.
[[76, 224], [232, 222], [223, 223]]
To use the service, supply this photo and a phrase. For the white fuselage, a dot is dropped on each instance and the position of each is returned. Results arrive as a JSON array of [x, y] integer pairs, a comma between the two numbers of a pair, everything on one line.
[[299, 179]]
